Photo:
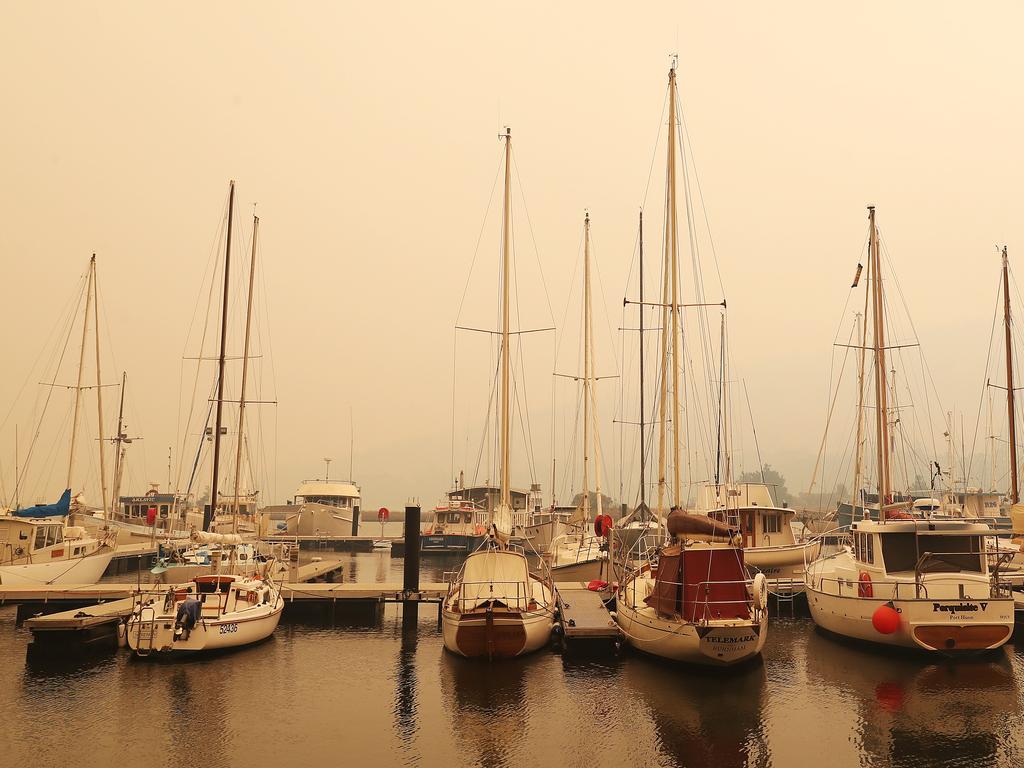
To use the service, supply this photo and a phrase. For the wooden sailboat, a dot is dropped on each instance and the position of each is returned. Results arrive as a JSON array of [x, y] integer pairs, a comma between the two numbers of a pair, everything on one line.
[[495, 607], [691, 601], [909, 582]]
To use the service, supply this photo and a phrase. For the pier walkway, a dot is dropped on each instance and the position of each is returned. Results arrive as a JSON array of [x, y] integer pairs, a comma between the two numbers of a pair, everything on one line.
[[584, 615]]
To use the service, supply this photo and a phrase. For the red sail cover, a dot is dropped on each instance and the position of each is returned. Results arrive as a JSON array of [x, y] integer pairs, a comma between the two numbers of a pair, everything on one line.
[[700, 584], [667, 597]]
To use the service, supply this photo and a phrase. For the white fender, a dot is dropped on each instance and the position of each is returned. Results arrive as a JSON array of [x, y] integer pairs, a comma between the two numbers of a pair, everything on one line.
[[760, 589]]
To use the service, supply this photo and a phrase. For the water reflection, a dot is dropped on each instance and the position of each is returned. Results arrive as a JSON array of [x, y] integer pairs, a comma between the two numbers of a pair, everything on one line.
[[703, 717], [486, 707], [913, 710]]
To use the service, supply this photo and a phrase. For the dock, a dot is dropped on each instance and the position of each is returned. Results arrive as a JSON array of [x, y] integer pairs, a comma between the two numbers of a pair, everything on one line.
[[583, 614], [340, 543]]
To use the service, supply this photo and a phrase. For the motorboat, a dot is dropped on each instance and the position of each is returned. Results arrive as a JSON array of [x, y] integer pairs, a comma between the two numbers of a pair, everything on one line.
[[923, 584], [36, 551]]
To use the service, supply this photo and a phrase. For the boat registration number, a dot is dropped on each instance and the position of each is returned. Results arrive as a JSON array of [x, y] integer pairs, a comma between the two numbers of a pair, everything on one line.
[[228, 628]]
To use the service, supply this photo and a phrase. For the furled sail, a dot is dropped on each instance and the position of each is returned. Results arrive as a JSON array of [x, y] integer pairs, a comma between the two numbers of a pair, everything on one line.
[[699, 528], [58, 509]]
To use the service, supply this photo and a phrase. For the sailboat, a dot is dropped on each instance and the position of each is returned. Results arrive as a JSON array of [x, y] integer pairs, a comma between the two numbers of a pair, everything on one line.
[[495, 607], [906, 581], [691, 600], [218, 548], [580, 555], [37, 545]]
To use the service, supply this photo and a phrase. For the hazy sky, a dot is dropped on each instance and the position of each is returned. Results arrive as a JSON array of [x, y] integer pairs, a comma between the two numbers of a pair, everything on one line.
[[368, 135]]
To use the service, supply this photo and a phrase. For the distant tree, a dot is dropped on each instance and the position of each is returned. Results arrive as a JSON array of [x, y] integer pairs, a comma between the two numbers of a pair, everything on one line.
[[607, 503], [771, 477]]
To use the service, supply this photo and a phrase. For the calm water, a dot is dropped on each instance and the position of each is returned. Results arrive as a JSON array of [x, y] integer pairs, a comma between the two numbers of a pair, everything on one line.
[[352, 690]]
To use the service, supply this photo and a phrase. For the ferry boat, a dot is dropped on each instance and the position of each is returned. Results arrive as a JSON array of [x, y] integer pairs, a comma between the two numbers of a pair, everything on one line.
[[320, 508], [460, 523]]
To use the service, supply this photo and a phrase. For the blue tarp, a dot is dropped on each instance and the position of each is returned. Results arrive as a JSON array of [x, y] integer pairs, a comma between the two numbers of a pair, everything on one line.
[[60, 509]]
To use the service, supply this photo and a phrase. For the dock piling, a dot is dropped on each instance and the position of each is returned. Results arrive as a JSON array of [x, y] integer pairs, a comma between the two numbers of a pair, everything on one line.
[[411, 572], [355, 520]]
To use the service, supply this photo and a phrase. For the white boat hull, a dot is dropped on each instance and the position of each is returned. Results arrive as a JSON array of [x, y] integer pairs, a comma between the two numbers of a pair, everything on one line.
[[944, 625], [231, 630], [79, 570], [787, 561]]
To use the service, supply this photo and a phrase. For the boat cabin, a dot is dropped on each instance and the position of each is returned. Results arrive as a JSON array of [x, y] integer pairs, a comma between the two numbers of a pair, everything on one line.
[[919, 546], [342, 494], [35, 540], [134, 508], [751, 508]]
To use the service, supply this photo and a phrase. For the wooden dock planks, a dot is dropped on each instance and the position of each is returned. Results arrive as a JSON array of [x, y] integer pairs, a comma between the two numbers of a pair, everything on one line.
[[584, 615]]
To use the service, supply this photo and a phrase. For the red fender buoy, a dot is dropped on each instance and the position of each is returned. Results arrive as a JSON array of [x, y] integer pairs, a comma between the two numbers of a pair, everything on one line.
[[885, 619]]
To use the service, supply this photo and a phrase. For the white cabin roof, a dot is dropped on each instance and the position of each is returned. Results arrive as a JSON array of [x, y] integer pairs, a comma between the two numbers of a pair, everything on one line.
[[321, 488]]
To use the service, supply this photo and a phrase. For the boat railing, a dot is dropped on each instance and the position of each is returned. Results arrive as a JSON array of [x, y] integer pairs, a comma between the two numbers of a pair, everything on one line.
[[512, 594], [896, 589], [709, 601]]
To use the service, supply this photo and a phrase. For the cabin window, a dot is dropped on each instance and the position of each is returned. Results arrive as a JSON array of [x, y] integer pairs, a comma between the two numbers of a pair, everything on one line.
[[772, 523], [163, 510], [40, 541], [467, 517], [58, 534]]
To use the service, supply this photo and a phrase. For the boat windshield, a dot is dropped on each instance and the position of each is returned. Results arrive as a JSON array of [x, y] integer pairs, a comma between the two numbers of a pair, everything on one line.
[[932, 554]]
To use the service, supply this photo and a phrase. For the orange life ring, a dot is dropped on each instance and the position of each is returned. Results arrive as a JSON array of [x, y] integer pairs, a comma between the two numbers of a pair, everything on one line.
[[864, 588]]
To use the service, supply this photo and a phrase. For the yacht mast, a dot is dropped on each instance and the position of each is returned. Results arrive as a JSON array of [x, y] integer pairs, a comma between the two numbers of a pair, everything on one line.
[[643, 455], [1010, 409], [589, 375], [587, 384], [245, 375], [881, 387], [860, 332], [208, 514], [119, 439], [81, 367], [505, 502], [672, 250], [99, 387]]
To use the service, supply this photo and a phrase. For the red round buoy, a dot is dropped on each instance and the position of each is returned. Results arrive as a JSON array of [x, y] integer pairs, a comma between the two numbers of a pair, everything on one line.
[[885, 619]]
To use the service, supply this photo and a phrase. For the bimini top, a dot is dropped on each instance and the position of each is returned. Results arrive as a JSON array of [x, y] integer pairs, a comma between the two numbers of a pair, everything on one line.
[[317, 490]]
